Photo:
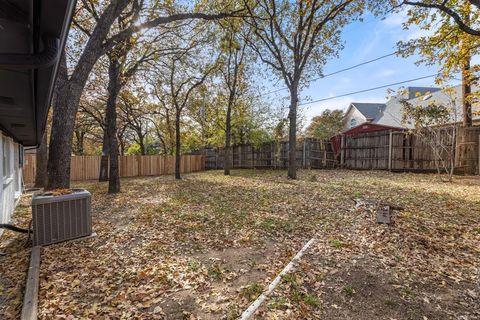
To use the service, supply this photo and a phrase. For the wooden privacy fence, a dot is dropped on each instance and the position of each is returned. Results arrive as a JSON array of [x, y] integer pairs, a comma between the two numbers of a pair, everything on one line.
[[401, 151], [310, 153], [88, 167], [380, 150]]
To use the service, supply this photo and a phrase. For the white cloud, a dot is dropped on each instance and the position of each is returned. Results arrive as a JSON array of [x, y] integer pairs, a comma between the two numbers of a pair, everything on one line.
[[385, 73], [395, 20], [394, 24]]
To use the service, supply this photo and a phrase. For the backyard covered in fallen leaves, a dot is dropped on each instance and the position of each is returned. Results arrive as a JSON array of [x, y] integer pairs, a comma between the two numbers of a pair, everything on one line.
[[205, 247]]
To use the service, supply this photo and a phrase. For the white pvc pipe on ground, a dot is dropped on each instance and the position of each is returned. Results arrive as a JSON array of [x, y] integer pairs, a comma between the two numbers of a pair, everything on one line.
[[256, 304]]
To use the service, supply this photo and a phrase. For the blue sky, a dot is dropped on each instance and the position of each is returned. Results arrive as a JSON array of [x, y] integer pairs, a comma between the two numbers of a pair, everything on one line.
[[365, 41]]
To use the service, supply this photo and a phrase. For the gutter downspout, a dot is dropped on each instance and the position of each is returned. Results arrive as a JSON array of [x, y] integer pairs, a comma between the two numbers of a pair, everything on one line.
[[44, 59]]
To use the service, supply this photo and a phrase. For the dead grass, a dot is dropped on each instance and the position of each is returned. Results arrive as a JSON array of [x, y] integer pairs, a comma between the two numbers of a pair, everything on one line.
[[204, 246]]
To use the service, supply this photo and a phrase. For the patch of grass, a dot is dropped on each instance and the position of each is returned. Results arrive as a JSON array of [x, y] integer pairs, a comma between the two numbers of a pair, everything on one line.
[[193, 265], [233, 312], [252, 291], [348, 290], [215, 272], [407, 293], [277, 303], [290, 279], [270, 224], [357, 194], [337, 244], [446, 227], [392, 280], [311, 300], [389, 302]]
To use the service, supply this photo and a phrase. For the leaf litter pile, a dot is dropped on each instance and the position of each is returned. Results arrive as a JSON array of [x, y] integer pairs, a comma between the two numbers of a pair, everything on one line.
[[14, 258], [207, 246]]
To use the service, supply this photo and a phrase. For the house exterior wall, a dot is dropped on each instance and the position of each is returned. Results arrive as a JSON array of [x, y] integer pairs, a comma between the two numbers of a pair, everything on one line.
[[11, 158], [353, 113]]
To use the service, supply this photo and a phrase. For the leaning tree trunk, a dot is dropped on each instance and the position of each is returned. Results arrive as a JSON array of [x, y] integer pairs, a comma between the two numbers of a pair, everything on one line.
[[41, 176], [111, 124], [292, 136], [103, 175], [228, 138], [178, 146]]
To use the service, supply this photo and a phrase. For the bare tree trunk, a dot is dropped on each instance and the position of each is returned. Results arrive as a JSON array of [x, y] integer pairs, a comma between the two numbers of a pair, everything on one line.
[[41, 177], [64, 111], [292, 136], [111, 124], [80, 135], [228, 137], [178, 146], [466, 92], [142, 146], [103, 176]]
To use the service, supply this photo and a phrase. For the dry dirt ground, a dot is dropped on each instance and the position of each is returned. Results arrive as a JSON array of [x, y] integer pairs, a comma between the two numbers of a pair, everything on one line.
[[206, 246]]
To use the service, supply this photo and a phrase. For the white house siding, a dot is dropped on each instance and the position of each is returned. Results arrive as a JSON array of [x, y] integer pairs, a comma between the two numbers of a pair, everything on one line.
[[11, 156], [353, 113]]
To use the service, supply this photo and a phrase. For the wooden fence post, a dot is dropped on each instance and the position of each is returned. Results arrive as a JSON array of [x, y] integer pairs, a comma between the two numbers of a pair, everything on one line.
[[304, 154], [272, 154], [390, 150], [342, 151], [253, 156], [323, 143]]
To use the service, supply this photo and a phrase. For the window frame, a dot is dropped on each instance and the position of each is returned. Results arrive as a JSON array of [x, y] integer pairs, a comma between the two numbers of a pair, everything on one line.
[[353, 123]]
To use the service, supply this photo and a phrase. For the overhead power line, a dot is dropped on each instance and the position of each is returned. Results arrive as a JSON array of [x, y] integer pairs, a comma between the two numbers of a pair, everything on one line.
[[336, 72], [367, 90]]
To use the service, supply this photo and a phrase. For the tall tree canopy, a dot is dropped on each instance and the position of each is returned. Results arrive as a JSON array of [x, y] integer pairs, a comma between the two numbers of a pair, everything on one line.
[[295, 39], [445, 41], [326, 125], [99, 39]]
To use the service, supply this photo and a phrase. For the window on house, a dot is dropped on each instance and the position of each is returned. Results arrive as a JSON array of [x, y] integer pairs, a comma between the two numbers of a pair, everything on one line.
[[353, 123], [20, 156], [6, 157]]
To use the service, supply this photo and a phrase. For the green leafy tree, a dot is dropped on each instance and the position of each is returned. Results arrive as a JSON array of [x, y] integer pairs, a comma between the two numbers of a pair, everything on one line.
[[449, 39], [326, 125], [452, 10], [295, 39]]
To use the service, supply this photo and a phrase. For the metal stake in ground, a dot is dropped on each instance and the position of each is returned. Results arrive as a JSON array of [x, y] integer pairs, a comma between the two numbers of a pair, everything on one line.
[[254, 306]]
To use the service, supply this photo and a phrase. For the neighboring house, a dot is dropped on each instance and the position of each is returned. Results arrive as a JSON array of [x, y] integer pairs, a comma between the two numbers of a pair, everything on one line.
[[31, 40], [359, 113], [364, 117]]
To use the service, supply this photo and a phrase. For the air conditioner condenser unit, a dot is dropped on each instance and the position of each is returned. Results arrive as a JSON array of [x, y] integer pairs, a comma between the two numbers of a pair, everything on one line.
[[57, 218]]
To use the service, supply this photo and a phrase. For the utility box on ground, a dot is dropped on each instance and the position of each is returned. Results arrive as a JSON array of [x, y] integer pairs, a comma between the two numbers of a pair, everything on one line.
[[61, 217]]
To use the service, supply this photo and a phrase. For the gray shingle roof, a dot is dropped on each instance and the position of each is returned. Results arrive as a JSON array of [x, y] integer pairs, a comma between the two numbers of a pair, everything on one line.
[[413, 91], [393, 112], [371, 111]]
